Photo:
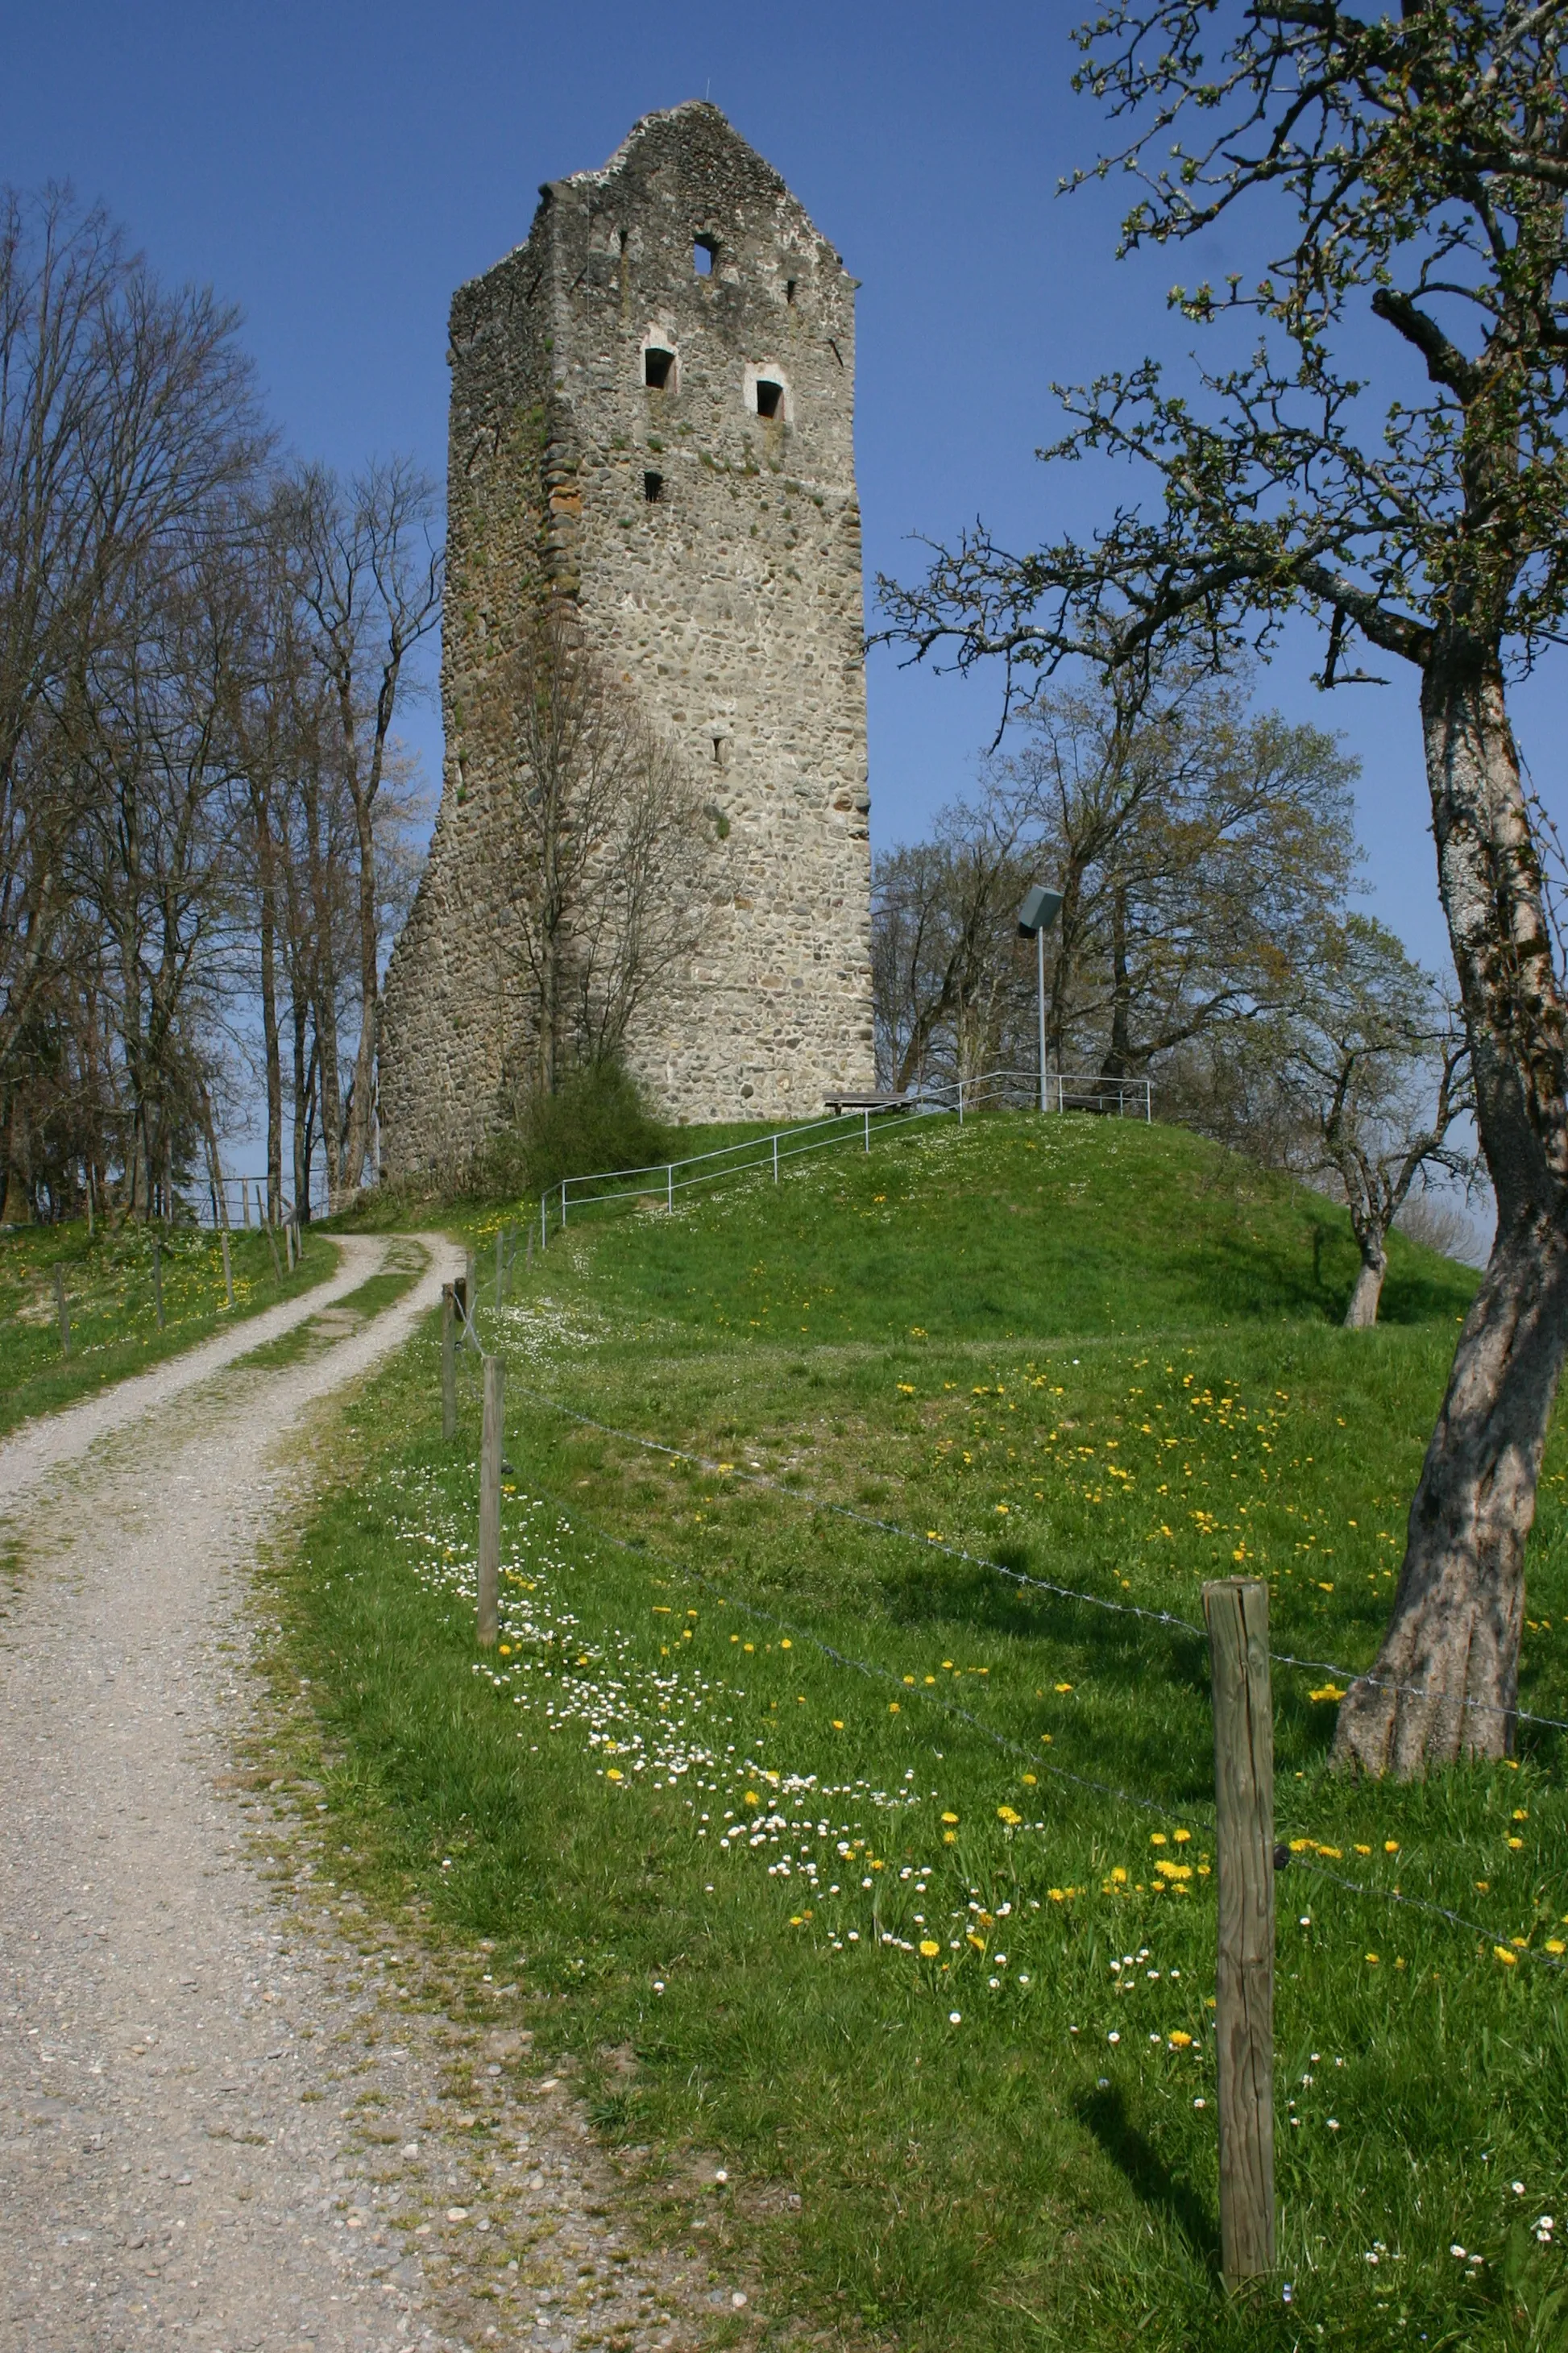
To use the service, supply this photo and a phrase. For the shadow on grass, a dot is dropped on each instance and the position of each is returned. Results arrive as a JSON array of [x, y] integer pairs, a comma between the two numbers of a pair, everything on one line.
[[1104, 2114]]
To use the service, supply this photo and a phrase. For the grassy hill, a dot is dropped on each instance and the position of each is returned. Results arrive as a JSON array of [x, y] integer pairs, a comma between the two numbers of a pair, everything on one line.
[[1005, 1226], [841, 1796]]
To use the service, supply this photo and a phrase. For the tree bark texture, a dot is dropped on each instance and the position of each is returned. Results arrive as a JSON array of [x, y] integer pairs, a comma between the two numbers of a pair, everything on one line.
[[1452, 1643]]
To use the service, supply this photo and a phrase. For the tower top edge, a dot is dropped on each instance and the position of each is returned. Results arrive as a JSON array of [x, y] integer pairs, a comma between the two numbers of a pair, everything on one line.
[[693, 123]]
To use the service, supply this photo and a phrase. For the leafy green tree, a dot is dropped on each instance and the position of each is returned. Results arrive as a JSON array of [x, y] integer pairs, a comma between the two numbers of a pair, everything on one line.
[[1413, 169]]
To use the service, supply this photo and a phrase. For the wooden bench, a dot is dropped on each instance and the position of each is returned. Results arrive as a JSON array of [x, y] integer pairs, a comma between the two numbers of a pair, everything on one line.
[[839, 1105]]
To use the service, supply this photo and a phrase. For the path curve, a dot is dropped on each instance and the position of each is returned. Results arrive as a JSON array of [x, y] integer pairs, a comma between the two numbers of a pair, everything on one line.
[[219, 2128], [52, 1438]]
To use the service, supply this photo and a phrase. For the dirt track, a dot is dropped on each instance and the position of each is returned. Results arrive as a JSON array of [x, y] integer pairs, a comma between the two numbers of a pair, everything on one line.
[[219, 2125]]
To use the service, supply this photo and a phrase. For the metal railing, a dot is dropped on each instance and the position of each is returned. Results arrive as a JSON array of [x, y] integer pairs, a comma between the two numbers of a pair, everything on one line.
[[960, 1098]]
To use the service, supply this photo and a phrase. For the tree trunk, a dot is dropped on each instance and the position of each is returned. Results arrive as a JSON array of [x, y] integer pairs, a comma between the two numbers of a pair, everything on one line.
[[1362, 1312], [1453, 1639], [1118, 1054], [267, 913]]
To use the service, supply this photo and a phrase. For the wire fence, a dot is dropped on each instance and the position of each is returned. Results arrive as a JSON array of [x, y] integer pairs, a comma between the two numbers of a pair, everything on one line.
[[1297, 1855]]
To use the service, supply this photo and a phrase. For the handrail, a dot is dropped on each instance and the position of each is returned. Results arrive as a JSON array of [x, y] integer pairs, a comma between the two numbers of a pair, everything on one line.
[[1063, 1092]]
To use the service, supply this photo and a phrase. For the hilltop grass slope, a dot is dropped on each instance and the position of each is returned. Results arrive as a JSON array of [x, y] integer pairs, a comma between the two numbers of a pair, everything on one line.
[[848, 1856], [1005, 1226]]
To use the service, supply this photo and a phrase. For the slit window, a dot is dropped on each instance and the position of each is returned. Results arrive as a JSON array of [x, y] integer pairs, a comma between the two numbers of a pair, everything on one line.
[[704, 253], [653, 489], [789, 290], [657, 366], [770, 397]]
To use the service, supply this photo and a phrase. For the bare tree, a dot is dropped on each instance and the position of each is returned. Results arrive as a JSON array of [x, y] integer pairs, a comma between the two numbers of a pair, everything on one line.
[[369, 581], [1380, 1068], [1195, 848], [611, 838], [944, 964], [124, 412]]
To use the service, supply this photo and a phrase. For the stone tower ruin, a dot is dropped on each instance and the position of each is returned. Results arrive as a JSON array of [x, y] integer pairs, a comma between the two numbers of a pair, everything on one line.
[[652, 417]]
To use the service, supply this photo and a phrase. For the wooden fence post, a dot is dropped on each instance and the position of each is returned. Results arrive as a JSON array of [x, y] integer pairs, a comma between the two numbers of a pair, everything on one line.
[[227, 1268], [272, 1246], [64, 1311], [448, 1364], [472, 1294], [490, 1501], [158, 1281], [1235, 1610]]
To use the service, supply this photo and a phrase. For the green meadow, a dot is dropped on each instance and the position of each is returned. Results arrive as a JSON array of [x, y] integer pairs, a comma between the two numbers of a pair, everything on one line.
[[839, 1799]]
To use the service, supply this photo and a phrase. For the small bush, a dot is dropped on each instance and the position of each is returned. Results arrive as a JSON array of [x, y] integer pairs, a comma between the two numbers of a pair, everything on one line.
[[597, 1120]]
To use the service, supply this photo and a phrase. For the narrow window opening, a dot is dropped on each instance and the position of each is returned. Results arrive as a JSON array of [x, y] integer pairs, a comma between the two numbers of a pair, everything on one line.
[[704, 252], [657, 365], [652, 488], [623, 239], [789, 290], [770, 397]]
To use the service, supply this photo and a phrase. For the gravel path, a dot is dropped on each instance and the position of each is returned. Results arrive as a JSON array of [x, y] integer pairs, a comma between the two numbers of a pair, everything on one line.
[[65, 1437], [227, 2121]]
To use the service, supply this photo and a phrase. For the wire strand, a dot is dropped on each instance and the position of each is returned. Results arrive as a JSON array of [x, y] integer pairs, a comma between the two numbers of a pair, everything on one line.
[[874, 1672], [1017, 1577]]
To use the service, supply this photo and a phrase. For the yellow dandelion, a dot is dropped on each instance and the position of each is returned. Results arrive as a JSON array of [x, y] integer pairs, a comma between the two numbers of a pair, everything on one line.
[[1008, 1814], [1180, 2041], [930, 1948], [1509, 1960]]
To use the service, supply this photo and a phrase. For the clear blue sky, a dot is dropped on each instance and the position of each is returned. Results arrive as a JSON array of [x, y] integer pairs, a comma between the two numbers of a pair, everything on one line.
[[337, 169]]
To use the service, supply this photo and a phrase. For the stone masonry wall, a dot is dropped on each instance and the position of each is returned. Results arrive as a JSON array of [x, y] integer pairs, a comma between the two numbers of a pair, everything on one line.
[[714, 555]]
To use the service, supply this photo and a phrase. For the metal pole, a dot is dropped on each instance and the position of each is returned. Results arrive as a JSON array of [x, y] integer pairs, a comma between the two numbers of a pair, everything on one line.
[[669, 1189], [563, 1205], [448, 1364], [867, 1130], [1040, 987], [501, 1263], [961, 1102], [775, 1160], [544, 1222]]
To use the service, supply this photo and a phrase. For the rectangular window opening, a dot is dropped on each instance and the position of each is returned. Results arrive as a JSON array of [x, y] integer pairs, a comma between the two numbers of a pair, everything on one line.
[[653, 489], [770, 397], [655, 367], [704, 252], [789, 290]]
